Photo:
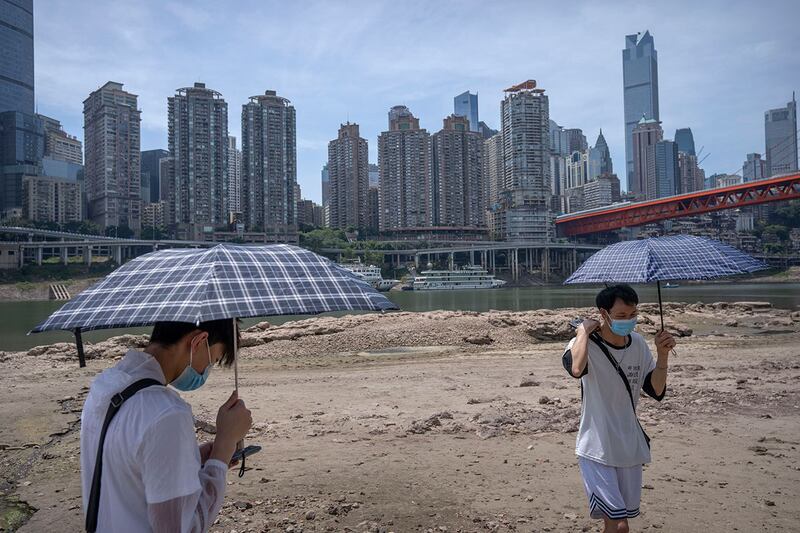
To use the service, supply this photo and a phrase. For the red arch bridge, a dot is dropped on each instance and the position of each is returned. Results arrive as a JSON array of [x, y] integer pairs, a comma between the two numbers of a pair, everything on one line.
[[780, 188]]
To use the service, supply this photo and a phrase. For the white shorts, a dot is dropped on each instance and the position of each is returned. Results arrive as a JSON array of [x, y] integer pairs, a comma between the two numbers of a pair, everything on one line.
[[613, 492]]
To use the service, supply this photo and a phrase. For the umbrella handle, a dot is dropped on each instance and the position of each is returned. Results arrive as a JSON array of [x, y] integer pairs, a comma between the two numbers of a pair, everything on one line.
[[240, 444]]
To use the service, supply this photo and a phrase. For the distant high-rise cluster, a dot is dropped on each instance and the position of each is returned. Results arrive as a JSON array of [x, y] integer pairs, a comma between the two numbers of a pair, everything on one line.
[[234, 178], [780, 133]]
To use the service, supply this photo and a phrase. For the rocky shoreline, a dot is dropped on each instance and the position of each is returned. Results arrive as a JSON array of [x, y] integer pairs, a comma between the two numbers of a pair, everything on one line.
[[445, 421]]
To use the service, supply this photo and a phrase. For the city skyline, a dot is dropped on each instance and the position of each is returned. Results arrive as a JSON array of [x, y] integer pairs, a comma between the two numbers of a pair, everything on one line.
[[326, 82]]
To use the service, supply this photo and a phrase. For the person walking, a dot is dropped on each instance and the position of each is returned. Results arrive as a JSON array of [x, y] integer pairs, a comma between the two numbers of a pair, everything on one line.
[[141, 467], [614, 364]]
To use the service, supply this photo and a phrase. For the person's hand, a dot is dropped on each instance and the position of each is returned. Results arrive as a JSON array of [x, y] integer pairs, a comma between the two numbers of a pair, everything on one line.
[[587, 326], [664, 342], [205, 451], [233, 419]]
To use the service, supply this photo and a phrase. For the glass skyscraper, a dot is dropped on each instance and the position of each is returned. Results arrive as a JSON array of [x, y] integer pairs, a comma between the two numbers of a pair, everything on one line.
[[466, 105], [16, 60], [780, 136], [685, 141], [640, 86]]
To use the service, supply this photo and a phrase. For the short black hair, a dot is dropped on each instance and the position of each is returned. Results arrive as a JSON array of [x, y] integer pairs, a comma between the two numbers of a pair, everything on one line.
[[605, 299], [219, 331]]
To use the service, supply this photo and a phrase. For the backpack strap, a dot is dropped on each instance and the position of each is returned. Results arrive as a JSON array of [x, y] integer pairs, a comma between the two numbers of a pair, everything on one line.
[[599, 342], [93, 507]]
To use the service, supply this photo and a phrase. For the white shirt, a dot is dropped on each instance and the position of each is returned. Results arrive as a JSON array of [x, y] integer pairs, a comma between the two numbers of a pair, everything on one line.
[[609, 432], [152, 476]]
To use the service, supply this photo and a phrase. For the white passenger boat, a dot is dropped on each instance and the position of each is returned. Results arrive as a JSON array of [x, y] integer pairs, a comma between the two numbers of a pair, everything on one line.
[[371, 274], [470, 277]]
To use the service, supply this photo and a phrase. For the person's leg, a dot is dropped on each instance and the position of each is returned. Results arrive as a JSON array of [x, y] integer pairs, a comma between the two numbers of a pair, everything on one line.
[[630, 486], [615, 526], [602, 489]]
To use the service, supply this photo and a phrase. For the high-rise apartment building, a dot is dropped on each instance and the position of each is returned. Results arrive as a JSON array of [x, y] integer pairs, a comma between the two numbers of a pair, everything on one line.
[[58, 144], [692, 177], [404, 159], [112, 130], [348, 170], [640, 91], [49, 199], [326, 185], [526, 198], [234, 177], [663, 175], [485, 131], [458, 184], [754, 168], [466, 105], [493, 171], [685, 141], [198, 144], [601, 192], [16, 60], [269, 166], [576, 140], [151, 172], [373, 210], [780, 136], [647, 133]]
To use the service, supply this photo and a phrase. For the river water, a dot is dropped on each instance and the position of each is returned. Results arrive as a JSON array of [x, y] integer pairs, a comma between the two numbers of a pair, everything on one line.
[[17, 318]]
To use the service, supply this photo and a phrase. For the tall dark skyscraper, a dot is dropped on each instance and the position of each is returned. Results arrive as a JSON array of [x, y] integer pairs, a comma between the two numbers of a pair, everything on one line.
[[780, 137], [16, 56], [640, 89], [685, 141], [21, 152], [349, 179], [151, 171]]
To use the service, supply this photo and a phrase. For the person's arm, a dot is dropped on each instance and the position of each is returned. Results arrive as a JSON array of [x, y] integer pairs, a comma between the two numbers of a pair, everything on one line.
[[656, 380], [171, 469], [579, 351]]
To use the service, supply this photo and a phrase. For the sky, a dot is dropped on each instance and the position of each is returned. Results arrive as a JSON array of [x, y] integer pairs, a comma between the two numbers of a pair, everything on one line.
[[721, 63]]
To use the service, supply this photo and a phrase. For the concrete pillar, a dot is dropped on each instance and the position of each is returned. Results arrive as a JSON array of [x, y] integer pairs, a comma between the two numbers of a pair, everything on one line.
[[483, 260], [546, 264], [38, 253], [574, 259], [117, 251], [451, 260], [64, 251], [515, 264], [416, 261], [87, 255]]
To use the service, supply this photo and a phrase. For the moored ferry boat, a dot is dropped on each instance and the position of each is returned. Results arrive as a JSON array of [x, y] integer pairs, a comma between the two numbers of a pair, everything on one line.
[[371, 274], [471, 277]]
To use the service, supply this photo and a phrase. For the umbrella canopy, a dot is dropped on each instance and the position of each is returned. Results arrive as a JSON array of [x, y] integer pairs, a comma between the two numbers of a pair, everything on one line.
[[664, 259], [226, 281]]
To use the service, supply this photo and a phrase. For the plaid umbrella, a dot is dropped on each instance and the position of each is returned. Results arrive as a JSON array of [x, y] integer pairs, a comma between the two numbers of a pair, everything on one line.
[[663, 259], [226, 281]]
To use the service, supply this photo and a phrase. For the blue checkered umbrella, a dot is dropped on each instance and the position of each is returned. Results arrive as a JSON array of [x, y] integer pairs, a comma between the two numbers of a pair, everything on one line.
[[664, 259], [226, 281]]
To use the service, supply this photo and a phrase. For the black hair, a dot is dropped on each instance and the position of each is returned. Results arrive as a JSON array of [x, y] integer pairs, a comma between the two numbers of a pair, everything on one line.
[[219, 331], [605, 299]]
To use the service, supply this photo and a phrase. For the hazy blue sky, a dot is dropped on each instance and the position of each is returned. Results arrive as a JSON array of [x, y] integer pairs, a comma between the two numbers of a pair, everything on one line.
[[721, 63]]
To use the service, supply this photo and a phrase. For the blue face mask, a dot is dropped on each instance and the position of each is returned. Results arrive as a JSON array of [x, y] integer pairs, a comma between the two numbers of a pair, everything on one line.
[[623, 328], [190, 379]]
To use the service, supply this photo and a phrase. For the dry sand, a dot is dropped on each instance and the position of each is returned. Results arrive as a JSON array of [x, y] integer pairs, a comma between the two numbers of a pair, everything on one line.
[[448, 421]]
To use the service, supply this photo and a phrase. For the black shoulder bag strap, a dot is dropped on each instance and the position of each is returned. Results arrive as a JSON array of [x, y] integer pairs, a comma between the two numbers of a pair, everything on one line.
[[117, 400], [599, 342]]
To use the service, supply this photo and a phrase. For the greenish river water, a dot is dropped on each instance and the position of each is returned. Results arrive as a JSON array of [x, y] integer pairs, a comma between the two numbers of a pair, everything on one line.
[[17, 318]]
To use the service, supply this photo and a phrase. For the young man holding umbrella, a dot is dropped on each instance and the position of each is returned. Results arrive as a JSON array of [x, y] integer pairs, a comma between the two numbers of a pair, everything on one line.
[[154, 476], [614, 364]]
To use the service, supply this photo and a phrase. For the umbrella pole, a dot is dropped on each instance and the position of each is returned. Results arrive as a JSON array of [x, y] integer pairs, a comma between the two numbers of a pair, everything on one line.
[[79, 344], [240, 444], [660, 308]]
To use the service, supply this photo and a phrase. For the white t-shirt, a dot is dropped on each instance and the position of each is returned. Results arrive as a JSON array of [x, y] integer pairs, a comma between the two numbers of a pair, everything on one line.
[[150, 454], [609, 432]]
